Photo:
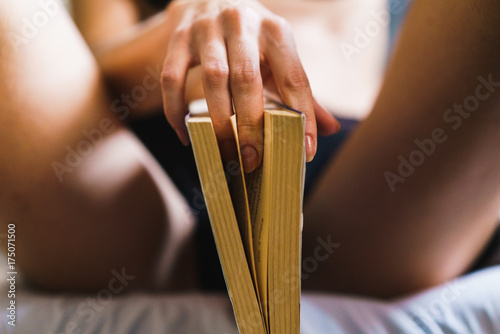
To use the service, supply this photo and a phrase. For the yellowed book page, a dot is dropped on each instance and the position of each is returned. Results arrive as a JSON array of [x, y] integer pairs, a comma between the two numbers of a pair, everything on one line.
[[238, 190], [258, 200], [259, 213], [225, 227], [286, 170]]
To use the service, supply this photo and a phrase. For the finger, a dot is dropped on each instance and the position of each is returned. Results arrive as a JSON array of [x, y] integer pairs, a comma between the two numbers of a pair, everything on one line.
[[215, 79], [290, 77], [246, 88], [326, 123], [173, 80]]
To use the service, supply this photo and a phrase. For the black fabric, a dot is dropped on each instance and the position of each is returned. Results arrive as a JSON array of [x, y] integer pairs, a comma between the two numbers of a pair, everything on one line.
[[490, 251], [178, 162], [160, 4], [326, 151]]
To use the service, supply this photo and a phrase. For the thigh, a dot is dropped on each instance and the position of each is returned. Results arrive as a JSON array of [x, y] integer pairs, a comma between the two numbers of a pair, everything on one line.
[[86, 196]]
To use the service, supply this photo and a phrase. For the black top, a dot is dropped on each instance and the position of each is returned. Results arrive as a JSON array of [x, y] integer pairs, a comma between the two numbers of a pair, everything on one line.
[[160, 4]]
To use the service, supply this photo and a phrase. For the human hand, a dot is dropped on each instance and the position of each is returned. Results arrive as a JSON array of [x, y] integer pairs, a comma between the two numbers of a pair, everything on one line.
[[242, 47]]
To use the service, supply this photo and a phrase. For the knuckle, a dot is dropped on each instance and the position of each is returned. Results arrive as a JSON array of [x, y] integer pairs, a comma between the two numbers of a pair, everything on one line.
[[204, 23], [245, 76], [283, 25], [232, 15], [180, 34], [239, 21], [277, 27], [170, 78], [249, 124], [216, 72], [295, 79]]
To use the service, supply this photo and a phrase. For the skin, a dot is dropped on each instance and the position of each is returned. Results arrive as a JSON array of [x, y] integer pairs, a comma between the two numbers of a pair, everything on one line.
[[427, 231], [433, 226], [116, 208], [240, 47]]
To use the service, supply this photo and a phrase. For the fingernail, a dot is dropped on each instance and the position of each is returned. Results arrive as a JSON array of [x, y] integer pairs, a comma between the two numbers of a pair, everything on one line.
[[310, 148], [249, 157]]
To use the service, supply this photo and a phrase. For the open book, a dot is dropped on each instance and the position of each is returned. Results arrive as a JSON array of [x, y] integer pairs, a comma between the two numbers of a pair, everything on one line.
[[256, 219]]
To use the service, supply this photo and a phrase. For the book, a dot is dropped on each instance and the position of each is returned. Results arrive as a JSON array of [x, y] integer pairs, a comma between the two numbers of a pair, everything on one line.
[[256, 218]]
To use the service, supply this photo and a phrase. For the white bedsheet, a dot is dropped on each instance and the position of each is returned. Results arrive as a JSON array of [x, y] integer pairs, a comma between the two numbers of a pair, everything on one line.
[[470, 304]]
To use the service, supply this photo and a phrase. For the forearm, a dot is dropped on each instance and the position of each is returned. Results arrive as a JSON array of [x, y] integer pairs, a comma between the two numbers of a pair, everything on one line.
[[130, 52], [240, 47], [132, 64]]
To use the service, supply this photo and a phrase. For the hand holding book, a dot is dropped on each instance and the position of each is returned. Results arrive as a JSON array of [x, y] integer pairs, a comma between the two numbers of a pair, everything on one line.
[[256, 219], [242, 48]]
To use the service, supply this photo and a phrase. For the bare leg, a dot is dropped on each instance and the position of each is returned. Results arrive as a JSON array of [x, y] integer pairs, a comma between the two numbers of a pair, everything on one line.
[[109, 206], [417, 226]]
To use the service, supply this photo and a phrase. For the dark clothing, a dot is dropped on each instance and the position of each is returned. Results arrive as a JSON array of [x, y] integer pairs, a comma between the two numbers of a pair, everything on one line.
[[160, 4], [178, 161], [179, 164]]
